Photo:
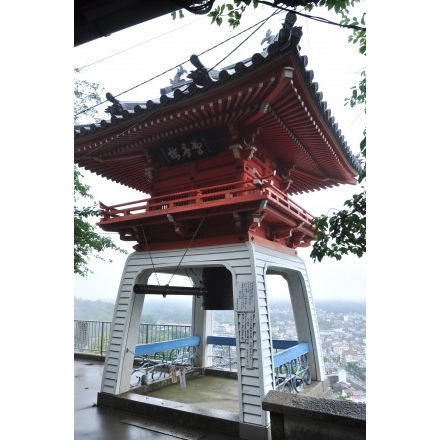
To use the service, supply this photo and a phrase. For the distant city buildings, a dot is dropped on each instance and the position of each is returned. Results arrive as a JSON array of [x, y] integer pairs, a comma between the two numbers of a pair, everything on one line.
[[343, 340]]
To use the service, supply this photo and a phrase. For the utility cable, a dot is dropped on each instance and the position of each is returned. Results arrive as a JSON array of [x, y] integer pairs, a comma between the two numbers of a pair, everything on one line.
[[261, 23], [313, 17], [157, 76], [175, 67], [160, 106], [279, 8], [139, 44]]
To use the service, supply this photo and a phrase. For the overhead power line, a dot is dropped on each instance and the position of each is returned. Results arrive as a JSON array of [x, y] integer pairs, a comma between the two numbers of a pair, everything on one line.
[[179, 64], [313, 17], [129, 128], [278, 9], [139, 44]]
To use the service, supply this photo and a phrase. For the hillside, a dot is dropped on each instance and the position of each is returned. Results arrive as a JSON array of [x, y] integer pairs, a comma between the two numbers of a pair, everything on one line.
[[178, 310], [339, 306]]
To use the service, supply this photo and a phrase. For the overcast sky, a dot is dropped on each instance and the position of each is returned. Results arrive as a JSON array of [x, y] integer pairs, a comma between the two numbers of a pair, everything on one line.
[[128, 60]]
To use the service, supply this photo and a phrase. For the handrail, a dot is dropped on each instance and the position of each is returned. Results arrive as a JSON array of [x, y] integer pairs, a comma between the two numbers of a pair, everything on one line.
[[292, 368], [290, 353], [290, 364], [278, 344], [156, 347], [201, 197], [169, 201]]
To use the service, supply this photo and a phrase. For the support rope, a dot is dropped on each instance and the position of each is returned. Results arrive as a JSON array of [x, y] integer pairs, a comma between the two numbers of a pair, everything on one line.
[[151, 258], [189, 245]]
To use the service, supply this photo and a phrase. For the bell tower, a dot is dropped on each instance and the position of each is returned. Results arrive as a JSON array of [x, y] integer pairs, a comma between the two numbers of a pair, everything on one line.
[[220, 157]]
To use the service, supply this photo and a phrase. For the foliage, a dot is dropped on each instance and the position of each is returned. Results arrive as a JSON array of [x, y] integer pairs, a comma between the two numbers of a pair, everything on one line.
[[224, 316], [87, 241], [87, 310], [356, 371], [99, 310], [174, 14], [341, 306], [234, 12], [86, 93], [155, 311], [344, 232]]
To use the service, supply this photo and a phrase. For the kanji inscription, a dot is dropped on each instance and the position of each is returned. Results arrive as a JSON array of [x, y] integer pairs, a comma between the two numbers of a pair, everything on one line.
[[242, 326], [246, 297], [185, 150], [249, 354], [245, 307]]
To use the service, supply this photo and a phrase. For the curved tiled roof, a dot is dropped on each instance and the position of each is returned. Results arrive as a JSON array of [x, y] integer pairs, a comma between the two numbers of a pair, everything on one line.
[[273, 89]]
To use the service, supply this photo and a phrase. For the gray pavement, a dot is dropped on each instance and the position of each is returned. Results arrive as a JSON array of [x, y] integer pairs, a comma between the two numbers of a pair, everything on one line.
[[97, 423]]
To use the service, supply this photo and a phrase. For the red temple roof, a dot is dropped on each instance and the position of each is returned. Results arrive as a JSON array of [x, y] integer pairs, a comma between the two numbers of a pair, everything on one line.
[[253, 134], [272, 93]]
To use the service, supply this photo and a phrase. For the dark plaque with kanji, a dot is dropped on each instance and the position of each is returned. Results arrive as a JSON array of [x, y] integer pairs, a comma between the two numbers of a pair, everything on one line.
[[187, 150]]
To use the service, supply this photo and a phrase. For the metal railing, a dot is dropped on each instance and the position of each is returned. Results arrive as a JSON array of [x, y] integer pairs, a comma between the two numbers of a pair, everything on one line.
[[223, 352], [155, 360], [93, 336], [292, 368], [287, 354], [290, 361], [290, 358], [149, 333]]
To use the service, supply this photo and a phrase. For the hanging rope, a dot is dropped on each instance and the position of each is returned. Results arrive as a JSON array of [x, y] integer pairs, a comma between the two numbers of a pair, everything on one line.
[[195, 276], [151, 258], [189, 245]]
